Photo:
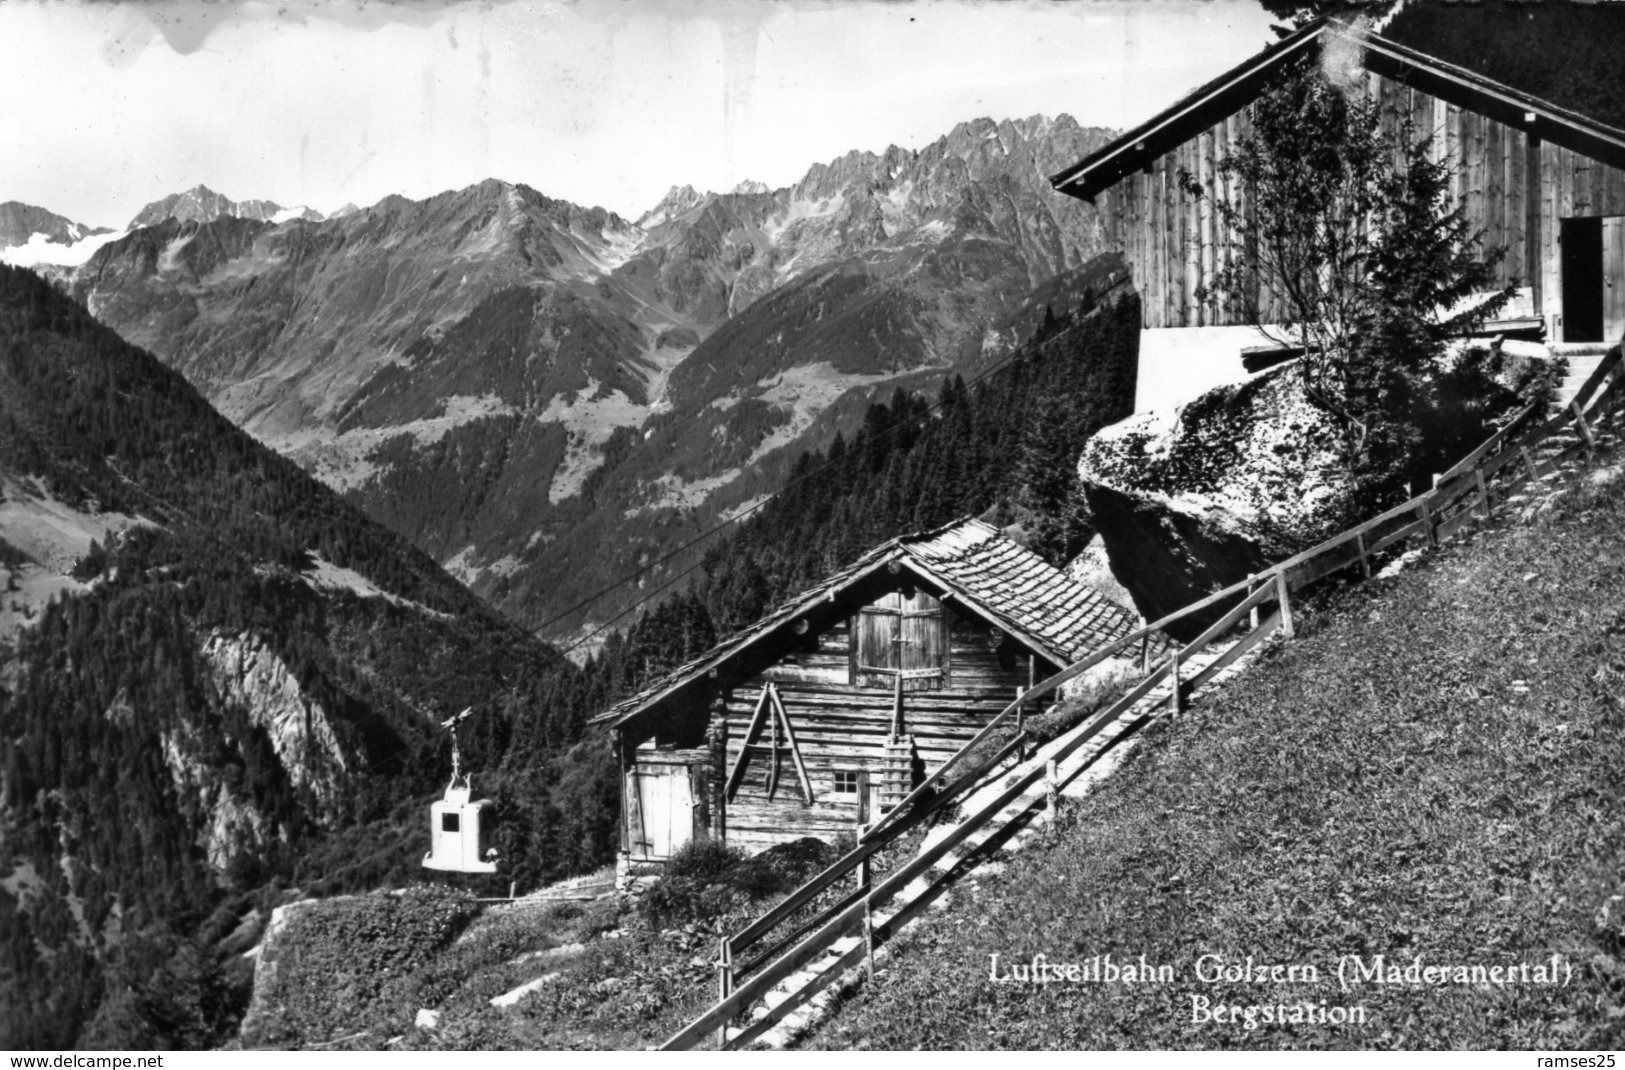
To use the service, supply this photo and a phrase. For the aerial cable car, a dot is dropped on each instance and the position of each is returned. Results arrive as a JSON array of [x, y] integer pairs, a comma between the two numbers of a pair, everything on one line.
[[459, 835]]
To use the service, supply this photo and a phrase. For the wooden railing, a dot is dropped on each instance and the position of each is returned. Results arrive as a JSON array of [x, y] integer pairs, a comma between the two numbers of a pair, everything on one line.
[[1466, 492]]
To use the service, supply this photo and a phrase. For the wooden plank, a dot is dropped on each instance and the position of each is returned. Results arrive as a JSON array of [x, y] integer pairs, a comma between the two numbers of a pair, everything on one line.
[[795, 751], [1613, 279], [1613, 197], [1452, 153], [744, 749], [1514, 210], [1549, 252], [1160, 224], [1494, 204], [1190, 241], [1229, 620], [1473, 157], [830, 974], [1235, 652], [1208, 232], [1333, 560]]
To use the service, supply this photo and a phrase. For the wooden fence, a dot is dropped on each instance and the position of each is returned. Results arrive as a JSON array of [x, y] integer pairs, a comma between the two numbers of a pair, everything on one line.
[[753, 961]]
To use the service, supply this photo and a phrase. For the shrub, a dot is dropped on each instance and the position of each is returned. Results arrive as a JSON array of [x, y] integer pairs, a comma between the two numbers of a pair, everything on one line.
[[346, 961], [707, 881]]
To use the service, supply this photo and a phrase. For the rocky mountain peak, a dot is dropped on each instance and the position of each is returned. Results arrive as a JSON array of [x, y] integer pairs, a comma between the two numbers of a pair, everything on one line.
[[20, 222], [678, 199], [202, 205]]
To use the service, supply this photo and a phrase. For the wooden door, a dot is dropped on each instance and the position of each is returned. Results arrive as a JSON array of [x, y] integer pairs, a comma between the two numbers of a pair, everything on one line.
[[665, 797], [901, 633], [1613, 278]]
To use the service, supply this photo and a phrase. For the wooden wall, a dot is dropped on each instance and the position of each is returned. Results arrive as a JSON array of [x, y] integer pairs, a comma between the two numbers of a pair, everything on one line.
[[1515, 187], [1571, 185], [839, 726]]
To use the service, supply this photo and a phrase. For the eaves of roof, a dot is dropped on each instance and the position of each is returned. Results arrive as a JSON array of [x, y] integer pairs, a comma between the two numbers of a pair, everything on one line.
[[1232, 91]]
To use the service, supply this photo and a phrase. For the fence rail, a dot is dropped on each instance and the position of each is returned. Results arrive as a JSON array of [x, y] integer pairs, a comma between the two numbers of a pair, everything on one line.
[[1467, 491]]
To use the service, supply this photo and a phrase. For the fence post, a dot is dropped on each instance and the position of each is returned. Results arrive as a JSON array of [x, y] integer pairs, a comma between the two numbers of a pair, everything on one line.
[[1424, 511], [1145, 654], [869, 941], [725, 984], [1483, 493], [1173, 679], [1365, 562], [1283, 597], [1585, 429], [1529, 462], [1049, 793], [863, 863], [1252, 614]]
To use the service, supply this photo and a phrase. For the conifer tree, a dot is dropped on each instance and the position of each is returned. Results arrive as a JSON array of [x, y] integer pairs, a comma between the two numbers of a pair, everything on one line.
[[1341, 213]]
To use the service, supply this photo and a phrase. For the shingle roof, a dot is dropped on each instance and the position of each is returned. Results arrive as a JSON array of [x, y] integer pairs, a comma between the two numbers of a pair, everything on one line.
[[1040, 606], [1032, 598]]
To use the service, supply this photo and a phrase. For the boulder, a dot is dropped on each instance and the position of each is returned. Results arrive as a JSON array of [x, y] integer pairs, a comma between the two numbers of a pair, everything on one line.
[[1195, 498]]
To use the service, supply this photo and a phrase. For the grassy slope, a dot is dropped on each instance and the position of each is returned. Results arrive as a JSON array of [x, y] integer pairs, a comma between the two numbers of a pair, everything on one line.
[[1434, 768]]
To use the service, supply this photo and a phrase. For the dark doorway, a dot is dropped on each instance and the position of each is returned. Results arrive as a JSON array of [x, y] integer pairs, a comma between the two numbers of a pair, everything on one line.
[[1594, 279], [1582, 280]]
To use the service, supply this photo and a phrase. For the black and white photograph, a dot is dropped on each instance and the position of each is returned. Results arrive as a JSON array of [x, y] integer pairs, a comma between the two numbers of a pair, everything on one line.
[[811, 525]]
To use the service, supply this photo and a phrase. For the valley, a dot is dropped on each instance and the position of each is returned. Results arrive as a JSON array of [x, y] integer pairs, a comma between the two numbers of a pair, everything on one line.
[[503, 377]]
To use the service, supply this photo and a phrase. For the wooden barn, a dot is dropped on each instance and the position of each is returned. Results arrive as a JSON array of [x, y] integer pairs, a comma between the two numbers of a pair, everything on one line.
[[1546, 183], [836, 704]]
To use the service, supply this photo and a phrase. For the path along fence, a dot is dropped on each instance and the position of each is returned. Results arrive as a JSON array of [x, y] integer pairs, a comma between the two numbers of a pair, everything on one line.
[[771, 956]]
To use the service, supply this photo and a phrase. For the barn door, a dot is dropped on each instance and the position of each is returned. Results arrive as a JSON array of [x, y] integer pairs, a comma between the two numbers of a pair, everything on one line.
[[1613, 278], [666, 801], [1594, 279], [902, 633]]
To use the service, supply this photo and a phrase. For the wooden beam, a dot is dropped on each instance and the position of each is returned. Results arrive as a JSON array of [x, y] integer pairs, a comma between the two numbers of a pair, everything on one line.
[[751, 733], [790, 738]]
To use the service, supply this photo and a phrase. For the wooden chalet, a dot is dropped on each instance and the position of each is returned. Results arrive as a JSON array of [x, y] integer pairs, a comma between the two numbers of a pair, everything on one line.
[[836, 704], [1545, 182]]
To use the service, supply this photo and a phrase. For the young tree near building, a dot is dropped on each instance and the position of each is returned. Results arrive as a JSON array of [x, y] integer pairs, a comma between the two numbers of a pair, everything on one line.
[[1343, 239]]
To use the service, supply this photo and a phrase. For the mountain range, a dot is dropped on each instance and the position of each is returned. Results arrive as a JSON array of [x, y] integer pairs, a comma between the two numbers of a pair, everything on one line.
[[544, 396]]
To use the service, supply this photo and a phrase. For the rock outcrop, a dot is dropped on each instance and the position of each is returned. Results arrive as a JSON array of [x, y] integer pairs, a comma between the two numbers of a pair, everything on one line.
[[1193, 499]]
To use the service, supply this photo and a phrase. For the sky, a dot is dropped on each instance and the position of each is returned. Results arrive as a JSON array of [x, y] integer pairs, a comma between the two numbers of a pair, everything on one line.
[[601, 102]]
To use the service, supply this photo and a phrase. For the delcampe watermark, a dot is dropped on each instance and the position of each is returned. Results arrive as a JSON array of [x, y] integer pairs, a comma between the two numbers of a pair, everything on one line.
[[1350, 975]]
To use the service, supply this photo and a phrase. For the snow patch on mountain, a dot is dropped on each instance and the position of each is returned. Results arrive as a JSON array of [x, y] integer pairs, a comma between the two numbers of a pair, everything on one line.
[[287, 215], [170, 259], [40, 250], [800, 210]]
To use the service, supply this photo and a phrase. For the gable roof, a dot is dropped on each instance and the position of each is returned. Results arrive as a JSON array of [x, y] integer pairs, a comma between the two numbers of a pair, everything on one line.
[[1236, 88], [1038, 605]]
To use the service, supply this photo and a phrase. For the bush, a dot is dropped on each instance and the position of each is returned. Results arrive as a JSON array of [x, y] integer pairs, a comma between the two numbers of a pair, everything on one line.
[[706, 881], [346, 961]]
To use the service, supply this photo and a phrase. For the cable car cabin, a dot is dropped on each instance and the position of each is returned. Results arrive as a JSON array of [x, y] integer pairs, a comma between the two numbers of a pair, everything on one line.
[[834, 707], [459, 834]]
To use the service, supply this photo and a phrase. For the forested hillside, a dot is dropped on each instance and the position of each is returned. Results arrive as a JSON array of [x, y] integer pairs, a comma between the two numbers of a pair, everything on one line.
[[250, 668], [237, 702]]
